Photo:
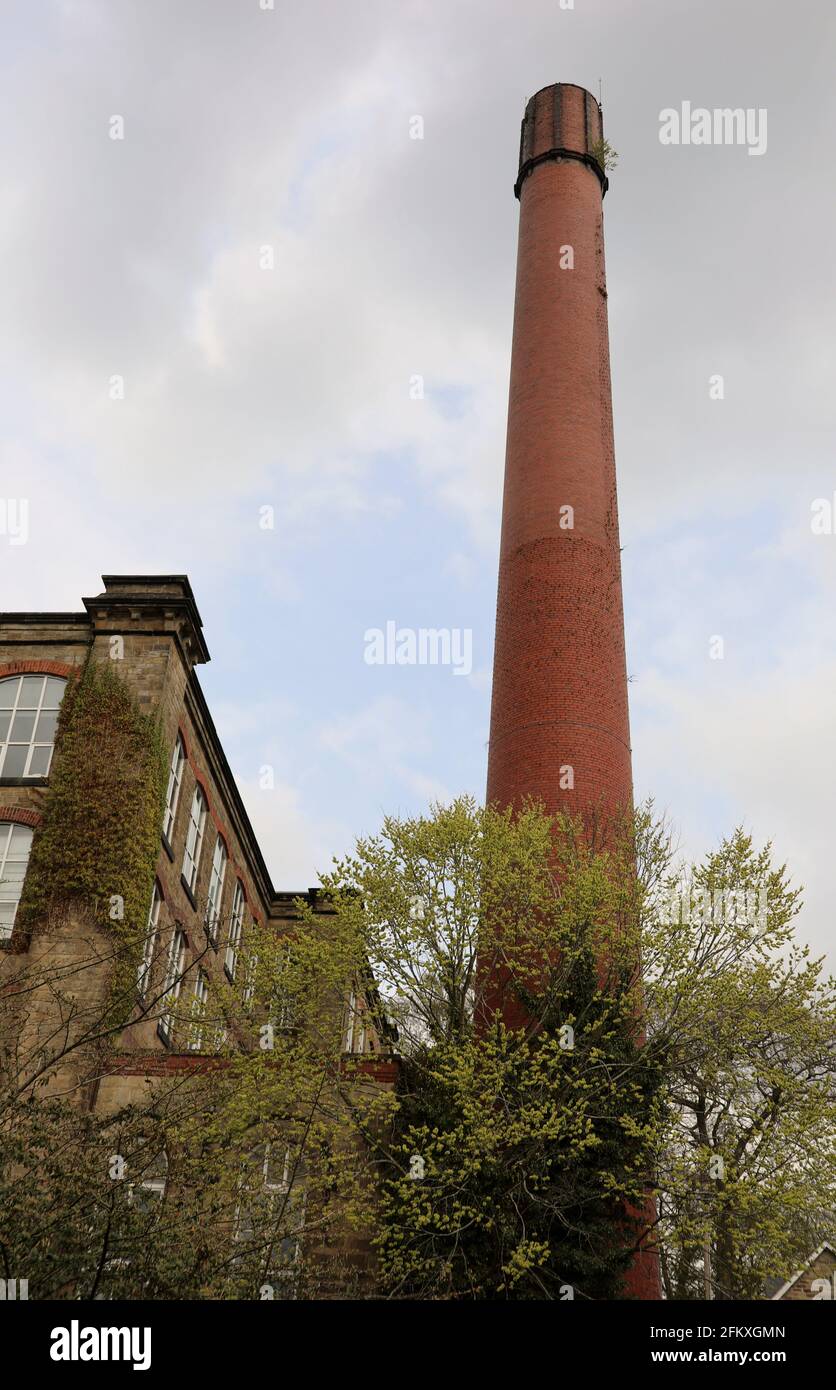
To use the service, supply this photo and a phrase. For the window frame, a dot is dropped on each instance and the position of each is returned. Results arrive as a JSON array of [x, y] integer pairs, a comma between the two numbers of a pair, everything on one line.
[[173, 982], [215, 893], [10, 826], [32, 745], [248, 992], [284, 1007], [152, 931], [195, 836], [200, 998], [355, 1034], [175, 783], [236, 929], [292, 1188]]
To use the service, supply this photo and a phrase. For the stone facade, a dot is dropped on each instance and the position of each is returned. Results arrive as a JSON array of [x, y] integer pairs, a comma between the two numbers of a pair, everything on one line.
[[152, 627]]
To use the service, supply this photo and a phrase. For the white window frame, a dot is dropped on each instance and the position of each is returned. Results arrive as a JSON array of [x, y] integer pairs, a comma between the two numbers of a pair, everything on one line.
[[284, 1009], [33, 744], [354, 1037], [149, 945], [175, 781], [199, 1002], [173, 981], [220, 859], [194, 837], [248, 992], [236, 928], [7, 829], [293, 1187], [284, 1187]]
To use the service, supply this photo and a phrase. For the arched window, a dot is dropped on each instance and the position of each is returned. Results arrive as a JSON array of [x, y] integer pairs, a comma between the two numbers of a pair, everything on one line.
[[15, 844], [28, 715], [149, 945], [236, 927], [354, 1037], [194, 838], [198, 1011], [216, 889], [173, 981], [175, 778]]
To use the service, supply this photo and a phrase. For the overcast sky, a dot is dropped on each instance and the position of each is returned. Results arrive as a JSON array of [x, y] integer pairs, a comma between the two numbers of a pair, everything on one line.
[[247, 388]]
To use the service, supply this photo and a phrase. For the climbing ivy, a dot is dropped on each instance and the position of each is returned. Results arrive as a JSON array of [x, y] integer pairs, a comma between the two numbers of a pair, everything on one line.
[[95, 853]]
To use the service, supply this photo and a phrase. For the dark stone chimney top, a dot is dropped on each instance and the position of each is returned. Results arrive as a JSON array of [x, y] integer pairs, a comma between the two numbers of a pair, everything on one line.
[[562, 122], [131, 599]]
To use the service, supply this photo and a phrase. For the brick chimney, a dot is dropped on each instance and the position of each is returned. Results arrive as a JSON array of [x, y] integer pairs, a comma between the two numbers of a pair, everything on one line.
[[559, 723]]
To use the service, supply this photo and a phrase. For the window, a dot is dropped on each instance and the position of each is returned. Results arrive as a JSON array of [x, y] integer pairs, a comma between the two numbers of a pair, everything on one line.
[[216, 888], [146, 1195], [201, 995], [15, 844], [248, 994], [175, 778], [28, 716], [236, 926], [144, 972], [283, 1012], [354, 1039], [284, 1178], [273, 1184], [194, 838], [173, 981]]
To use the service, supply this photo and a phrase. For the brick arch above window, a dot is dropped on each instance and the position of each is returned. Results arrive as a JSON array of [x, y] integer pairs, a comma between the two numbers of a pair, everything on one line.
[[202, 782], [37, 668], [212, 815], [20, 815]]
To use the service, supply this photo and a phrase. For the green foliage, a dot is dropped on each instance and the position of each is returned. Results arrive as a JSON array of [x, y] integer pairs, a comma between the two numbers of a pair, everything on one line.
[[545, 1089], [534, 1141], [100, 835], [604, 154], [747, 1154], [528, 1154], [263, 1153]]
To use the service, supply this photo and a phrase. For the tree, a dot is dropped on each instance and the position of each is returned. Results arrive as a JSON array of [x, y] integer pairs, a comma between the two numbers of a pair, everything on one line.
[[517, 1152], [223, 1175], [747, 1154]]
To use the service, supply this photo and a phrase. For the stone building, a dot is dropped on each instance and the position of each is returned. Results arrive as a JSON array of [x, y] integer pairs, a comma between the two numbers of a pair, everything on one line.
[[211, 882]]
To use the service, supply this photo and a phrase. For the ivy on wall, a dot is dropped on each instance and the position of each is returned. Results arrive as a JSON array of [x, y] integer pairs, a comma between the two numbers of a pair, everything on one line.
[[98, 844]]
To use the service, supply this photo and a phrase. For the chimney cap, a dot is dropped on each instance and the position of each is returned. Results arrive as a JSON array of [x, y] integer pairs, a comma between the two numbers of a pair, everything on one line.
[[562, 121], [169, 594]]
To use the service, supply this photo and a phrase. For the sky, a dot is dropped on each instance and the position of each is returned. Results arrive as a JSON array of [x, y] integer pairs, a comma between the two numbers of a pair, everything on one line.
[[268, 258]]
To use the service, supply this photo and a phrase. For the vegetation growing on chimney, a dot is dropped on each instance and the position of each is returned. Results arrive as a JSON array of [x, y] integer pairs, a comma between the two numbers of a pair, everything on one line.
[[604, 154]]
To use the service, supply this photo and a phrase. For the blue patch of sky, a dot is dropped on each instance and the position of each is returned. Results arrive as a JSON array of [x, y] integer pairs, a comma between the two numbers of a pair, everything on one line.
[[356, 573]]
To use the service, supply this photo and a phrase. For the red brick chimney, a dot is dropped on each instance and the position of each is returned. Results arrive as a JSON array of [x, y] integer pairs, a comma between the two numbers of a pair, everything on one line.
[[559, 722]]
